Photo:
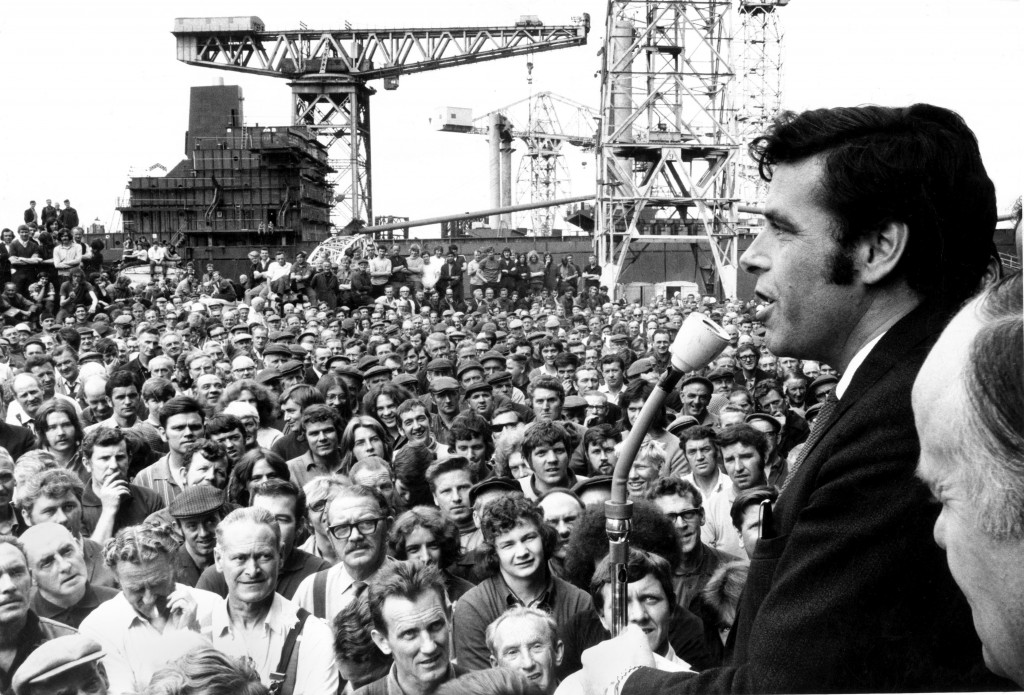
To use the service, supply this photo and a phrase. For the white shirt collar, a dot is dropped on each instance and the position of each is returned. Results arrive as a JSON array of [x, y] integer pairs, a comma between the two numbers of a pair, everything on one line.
[[855, 364], [280, 618]]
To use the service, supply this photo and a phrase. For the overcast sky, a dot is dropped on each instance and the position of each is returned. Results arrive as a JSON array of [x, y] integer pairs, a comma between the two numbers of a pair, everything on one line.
[[93, 88]]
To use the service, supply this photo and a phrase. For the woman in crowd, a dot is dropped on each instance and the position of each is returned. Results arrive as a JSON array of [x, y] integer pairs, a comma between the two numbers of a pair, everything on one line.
[[382, 403], [253, 468], [364, 436], [263, 399], [632, 400], [522, 279], [550, 273], [424, 535], [336, 394]]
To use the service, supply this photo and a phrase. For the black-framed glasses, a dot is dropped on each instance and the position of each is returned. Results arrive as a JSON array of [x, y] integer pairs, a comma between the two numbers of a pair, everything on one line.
[[686, 515], [498, 429], [365, 527]]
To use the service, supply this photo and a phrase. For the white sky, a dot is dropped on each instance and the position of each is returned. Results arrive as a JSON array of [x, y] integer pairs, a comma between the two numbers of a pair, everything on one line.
[[93, 88]]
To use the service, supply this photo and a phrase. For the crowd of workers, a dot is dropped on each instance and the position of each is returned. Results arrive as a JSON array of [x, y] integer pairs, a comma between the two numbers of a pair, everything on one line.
[[385, 475]]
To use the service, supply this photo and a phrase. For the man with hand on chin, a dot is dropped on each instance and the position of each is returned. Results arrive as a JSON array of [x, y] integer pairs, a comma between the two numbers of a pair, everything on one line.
[[153, 618], [110, 503]]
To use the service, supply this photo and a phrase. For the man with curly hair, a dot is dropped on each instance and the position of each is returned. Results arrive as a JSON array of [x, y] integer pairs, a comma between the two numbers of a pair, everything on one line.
[[517, 548]]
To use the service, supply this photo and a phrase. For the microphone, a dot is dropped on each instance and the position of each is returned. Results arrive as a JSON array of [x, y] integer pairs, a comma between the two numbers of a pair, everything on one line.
[[698, 341]]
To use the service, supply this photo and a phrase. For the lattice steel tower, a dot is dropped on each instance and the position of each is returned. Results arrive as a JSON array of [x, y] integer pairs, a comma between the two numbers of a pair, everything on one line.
[[668, 132], [758, 86]]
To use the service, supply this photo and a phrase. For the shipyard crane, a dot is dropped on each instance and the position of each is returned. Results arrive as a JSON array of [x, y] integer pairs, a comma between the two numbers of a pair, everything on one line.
[[670, 136], [329, 72], [544, 122]]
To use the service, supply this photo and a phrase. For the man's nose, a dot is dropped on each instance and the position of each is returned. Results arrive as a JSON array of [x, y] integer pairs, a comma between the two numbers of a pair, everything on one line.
[[753, 260]]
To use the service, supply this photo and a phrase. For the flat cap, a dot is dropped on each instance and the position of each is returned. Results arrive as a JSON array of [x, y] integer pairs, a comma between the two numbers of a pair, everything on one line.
[[367, 361], [640, 366], [468, 365], [277, 349], [492, 355], [196, 500], [493, 484], [439, 364], [722, 373], [351, 371], [479, 386], [552, 322], [55, 657], [406, 381], [596, 482], [822, 380], [278, 336], [443, 383], [764, 417], [499, 377], [683, 422], [377, 370], [267, 376], [695, 379], [123, 320], [572, 402], [291, 368]]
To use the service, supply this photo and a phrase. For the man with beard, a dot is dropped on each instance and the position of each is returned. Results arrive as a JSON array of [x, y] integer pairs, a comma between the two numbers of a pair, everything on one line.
[[59, 573]]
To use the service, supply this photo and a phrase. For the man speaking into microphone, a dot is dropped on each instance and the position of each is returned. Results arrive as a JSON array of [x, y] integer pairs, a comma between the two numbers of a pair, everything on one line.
[[878, 224]]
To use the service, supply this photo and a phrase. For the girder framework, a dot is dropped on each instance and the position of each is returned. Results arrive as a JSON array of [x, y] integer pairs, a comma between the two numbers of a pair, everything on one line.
[[668, 132], [758, 87], [328, 71]]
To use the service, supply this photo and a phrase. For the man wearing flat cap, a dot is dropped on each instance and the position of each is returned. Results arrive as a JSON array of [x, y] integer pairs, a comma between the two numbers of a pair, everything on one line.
[[196, 513], [68, 665]]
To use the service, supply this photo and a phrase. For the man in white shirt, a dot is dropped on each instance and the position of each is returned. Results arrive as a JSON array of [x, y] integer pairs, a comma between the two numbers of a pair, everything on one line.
[[153, 618], [278, 274], [254, 621], [358, 520], [700, 448]]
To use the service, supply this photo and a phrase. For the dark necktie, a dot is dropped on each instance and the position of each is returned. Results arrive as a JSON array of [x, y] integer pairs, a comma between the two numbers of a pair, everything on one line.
[[818, 427]]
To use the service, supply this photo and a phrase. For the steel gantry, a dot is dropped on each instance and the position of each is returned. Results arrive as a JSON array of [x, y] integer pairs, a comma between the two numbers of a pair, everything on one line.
[[758, 87], [544, 123], [667, 133], [328, 72]]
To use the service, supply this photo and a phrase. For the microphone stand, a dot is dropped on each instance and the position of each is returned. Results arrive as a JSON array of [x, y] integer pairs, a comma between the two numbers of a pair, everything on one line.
[[698, 342]]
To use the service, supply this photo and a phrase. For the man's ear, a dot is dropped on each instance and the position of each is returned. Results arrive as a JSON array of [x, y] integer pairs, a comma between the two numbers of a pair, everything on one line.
[[381, 641], [559, 652], [880, 251], [162, 431]]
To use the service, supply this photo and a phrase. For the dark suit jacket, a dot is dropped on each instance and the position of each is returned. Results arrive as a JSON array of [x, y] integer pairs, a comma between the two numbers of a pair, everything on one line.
[[852, 594]]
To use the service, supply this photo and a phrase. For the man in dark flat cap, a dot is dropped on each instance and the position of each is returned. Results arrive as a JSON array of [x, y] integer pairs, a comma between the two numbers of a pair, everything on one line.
[[67, 665]]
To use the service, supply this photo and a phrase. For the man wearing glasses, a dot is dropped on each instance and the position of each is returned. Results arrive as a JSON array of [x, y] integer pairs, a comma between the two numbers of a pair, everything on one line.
[[681, 502], [357, 519]]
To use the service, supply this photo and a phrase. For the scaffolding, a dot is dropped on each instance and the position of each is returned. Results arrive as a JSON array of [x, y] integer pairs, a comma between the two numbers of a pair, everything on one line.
[[668, 135]]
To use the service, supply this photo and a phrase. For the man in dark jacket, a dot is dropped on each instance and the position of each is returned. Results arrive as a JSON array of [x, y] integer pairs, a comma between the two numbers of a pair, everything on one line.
[[847, 590]]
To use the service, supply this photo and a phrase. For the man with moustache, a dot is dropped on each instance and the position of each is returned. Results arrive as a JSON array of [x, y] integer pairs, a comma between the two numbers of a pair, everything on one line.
[[358, 519]]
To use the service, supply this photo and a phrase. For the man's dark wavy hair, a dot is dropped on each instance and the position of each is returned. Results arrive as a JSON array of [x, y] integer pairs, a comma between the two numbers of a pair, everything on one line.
[[504, 514], [652, 531], [919, 165]]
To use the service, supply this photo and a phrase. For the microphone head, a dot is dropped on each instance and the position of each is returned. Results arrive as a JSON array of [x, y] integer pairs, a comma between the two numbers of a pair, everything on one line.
[[698, 341]]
